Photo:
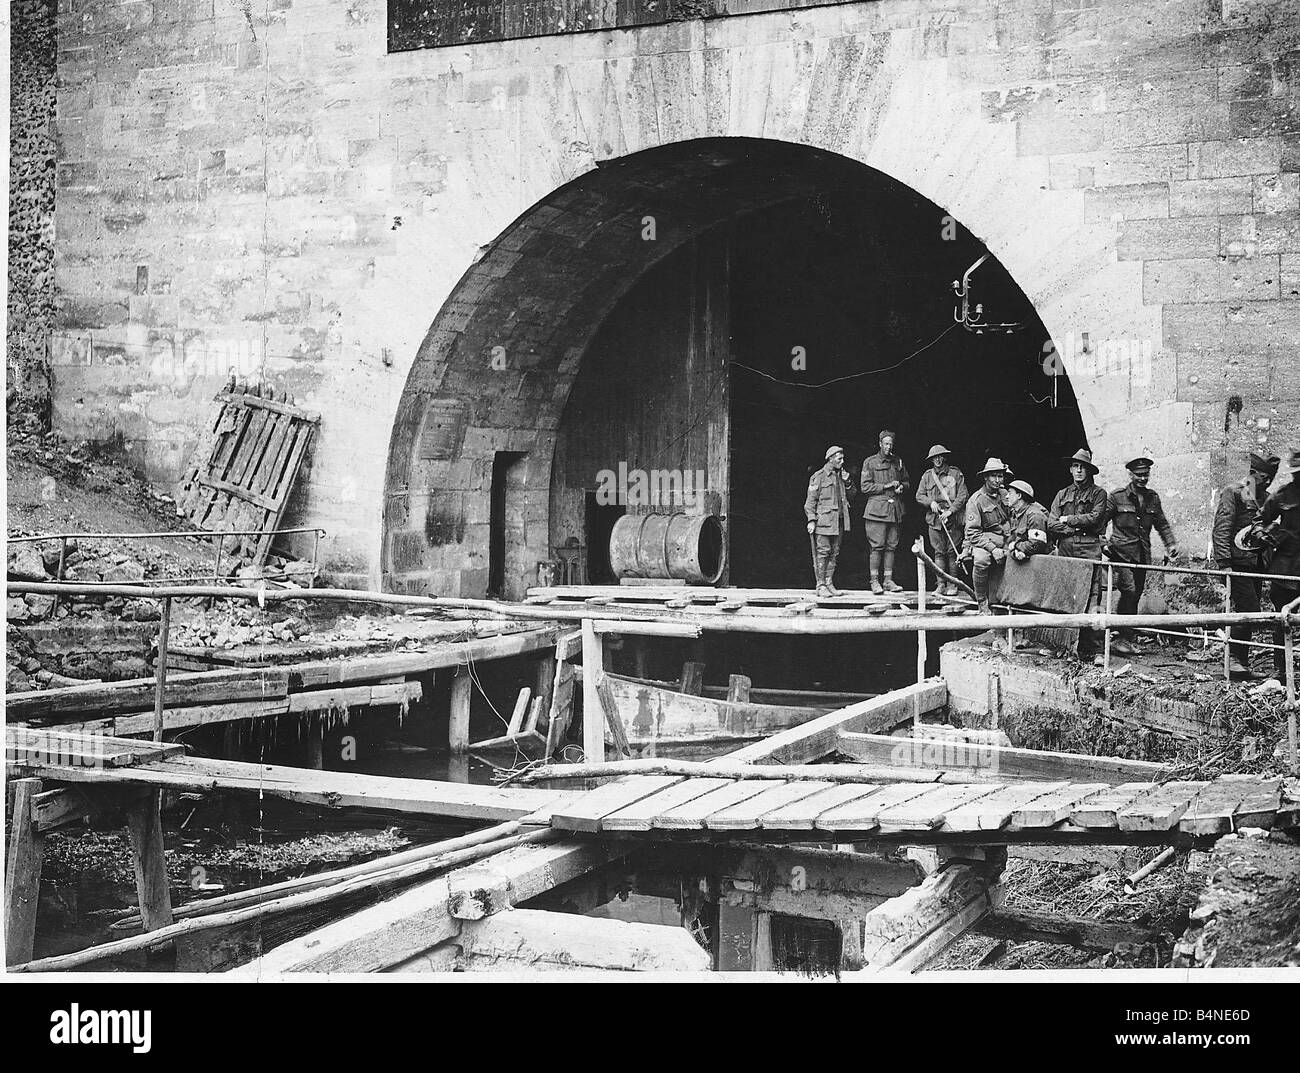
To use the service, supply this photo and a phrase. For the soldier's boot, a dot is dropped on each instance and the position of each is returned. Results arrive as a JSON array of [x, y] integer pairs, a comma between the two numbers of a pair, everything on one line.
[[831, 590], [873, 565], [887, 570], [980, 583], [820, 564]]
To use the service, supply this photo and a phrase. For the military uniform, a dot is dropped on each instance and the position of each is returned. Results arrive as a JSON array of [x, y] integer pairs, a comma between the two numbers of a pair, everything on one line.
[[1239, 507], [988, 527], [883, 513], [947, 488], [1077, 521], [1029, 529], [827, 507], [1282, 512], [1134, 512]]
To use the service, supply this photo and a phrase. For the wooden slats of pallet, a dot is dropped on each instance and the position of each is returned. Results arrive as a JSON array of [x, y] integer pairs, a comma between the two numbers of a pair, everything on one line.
[[801, 815], [862, 813], [1051, 808], [244, 467], [1101, 809], [994, 811], [930, 810]]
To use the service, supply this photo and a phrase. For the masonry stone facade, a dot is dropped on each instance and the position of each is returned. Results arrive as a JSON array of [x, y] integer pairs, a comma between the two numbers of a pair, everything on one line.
[[263, 188]]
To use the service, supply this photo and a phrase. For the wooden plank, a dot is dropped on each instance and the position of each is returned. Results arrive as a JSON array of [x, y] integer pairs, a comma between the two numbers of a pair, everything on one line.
[[258, 402], [583, 812], [748, 814], [930, 810], [1101, 810], [800, 815], [612, 718], [738, 688], [22, 874], [516, 723], [1051, 808], [1160, 808], [509, 878], [994, 812], [265, 502], [1004, 761], [248, 447], [458, 716], [266, 470], [640, 815], [862, 813], [1025, 925], [1212, 810], [1260, 806], [820, 736], [24, 746], [561, 707], [593, 718], [690, 815], [898, 925], [137, 694], [333, 789]]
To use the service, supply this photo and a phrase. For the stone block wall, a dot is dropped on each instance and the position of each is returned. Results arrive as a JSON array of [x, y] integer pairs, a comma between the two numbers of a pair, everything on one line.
[[264, 189]]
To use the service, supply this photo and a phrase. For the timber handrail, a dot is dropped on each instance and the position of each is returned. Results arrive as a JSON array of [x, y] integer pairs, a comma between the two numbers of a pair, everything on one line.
[[722, 623]]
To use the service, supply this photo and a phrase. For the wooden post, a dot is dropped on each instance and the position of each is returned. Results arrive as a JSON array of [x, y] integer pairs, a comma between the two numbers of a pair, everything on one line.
[[144, 826], [316, 744], [738, 687], [1288, 643], [458, 721], [160, 671], [58, 573], [1110, 595], [22, 875], [544, 678], [593, 714], [921, 647], [1227, 632], [693, 678]]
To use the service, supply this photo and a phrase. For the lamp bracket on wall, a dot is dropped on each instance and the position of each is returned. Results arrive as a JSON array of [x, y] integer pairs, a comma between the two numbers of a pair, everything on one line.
[[972, 319]]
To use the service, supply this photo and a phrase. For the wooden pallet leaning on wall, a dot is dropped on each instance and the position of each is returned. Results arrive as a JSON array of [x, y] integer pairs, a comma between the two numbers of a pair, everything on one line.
[[244, 468]]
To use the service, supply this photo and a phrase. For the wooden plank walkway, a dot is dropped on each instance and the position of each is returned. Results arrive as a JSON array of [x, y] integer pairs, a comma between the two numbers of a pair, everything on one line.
[[1062, 811], [731, 600], [149, 765]]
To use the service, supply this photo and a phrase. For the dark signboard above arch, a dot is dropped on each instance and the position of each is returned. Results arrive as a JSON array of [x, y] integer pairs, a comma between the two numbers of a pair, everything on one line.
[[414, 24]]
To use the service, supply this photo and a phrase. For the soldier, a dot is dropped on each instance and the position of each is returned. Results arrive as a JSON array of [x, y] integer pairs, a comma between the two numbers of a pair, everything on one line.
[[1238, 509], [1280, 523], [827, 509], [942, 491], [1077, 520], [988, 524], [1133, 510], [1028, 522], [884, 483]]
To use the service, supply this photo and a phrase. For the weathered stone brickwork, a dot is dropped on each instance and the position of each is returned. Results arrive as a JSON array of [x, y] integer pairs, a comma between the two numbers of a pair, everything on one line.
[[263, 187], [31, 204]]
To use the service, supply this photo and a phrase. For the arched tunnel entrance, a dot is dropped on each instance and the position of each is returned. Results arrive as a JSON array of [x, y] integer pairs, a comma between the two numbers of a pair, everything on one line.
[[721, 309]]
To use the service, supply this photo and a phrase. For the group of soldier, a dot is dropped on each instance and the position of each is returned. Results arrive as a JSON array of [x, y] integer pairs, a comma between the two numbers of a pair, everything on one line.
[[1001, 518]]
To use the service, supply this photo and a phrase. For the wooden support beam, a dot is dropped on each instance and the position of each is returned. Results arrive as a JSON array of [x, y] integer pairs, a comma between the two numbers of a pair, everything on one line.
[[820, 736], [510, 879], [1024, 925], [144, 827], [911, 928], [532, 938], [612, 718], [22, 874], [648, 628], [458, 718], [593, 715]]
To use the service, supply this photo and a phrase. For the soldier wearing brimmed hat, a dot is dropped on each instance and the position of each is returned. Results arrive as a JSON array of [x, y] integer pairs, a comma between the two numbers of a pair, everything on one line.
[[988, 526], [1237, 514], [1134, 510], [827, 509], [1077, 520], [884, 483], [1028, 521], [1280, 528], [942, 492]]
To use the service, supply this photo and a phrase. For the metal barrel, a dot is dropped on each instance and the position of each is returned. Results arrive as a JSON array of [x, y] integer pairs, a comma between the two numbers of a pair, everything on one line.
[[685, 546]]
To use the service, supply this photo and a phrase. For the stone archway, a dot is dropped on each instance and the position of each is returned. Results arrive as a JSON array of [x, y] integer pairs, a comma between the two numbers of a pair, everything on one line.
[[495, 370]]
